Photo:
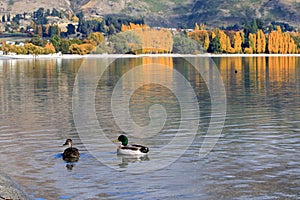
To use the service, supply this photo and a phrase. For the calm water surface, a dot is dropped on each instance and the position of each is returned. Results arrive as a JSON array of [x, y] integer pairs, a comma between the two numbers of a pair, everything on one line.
[[256, 157]]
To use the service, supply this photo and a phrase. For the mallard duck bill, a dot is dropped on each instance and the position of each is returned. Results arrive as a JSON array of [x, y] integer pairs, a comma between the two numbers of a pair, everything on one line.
[[116, 141]]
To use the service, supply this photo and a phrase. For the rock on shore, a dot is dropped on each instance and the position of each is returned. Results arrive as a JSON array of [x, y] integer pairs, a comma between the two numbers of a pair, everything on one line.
[[11, 190]]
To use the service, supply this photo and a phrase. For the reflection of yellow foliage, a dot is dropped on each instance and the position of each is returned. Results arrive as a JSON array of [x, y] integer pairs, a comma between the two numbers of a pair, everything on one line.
[[282, 69], [163, 61], [258, 71]]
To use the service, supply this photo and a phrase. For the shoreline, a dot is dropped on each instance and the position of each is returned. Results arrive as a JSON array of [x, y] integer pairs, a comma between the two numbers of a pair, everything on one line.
[[75, 56]]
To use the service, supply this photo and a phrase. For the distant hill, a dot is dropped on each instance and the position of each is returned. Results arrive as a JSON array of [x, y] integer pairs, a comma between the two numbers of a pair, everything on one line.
[[172, 13]]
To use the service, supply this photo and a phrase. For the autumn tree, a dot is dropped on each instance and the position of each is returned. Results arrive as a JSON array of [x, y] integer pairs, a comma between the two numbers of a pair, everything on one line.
[[279, 42], [49, 48], [96, 38], [260, 42], [200, 36], [238, 40], [152, 40], [155, 41], [81, 49], [33, 49], [225, 43], [252, 41], [133, 26]]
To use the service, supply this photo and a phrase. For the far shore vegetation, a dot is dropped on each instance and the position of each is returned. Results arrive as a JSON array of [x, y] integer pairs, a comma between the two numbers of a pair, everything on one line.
[[119, 35]]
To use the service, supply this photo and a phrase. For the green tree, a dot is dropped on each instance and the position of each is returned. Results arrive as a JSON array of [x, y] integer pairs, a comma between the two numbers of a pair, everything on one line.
[[184, 45], [126, 42], [54, 30], [56, 41], [70, 29], [254, 27], [38, 41], [55, 13], [112, 29], [214, 45], [64, 46], [96, 38]]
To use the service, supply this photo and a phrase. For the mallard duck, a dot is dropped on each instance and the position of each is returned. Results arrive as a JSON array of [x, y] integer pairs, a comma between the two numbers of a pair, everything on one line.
[[134, 149], [70, 154]]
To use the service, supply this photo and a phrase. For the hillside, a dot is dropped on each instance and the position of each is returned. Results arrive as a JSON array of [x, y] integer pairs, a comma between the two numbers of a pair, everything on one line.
[[171, 13], [236, 11]]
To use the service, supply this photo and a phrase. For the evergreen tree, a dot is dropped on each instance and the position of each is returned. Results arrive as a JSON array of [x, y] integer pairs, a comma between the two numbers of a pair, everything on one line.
[[55, 13], [64, 46], [214, 45], [112, 29], [70, 29], [56, 41], [254, 27]]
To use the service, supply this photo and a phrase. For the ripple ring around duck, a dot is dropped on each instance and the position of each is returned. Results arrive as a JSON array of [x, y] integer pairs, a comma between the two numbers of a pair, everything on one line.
[[99, 143]]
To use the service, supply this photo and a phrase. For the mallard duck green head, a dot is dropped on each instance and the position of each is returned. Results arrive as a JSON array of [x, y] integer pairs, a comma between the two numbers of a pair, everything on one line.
[[68, 142], [123, 139]]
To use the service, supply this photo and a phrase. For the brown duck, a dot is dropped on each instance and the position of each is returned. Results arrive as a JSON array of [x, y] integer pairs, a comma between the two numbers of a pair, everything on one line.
[[70, 154]]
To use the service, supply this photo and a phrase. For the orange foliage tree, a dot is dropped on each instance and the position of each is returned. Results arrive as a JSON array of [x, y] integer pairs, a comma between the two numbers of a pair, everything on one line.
[[153, 40], [49, 48], [225, 44], [279, 42], [260, 42], [133, 26], [201, 36], [81, 49], [238, 40]]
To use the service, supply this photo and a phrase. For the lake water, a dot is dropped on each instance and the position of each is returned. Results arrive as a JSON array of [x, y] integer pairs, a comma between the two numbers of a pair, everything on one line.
[[243, 111]]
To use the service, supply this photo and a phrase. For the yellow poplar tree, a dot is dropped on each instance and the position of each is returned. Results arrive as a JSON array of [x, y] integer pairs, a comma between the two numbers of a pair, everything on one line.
[[200, 36], [273, 42], [237, 43], [252, 41], [229, 48], [260, 42], [223, 41], [197, 27]]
